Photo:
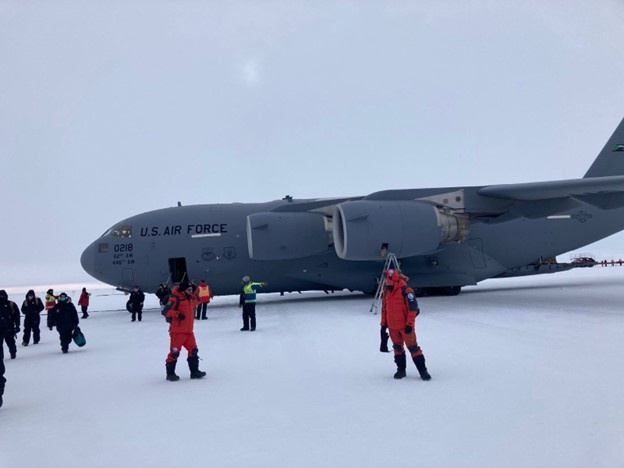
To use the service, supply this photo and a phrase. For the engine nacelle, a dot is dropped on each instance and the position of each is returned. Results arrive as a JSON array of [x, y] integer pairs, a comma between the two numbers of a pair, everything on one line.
[[283, 236], [368, 229]]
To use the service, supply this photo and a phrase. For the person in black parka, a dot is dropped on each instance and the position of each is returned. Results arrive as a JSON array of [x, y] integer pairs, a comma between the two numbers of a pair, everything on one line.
[[135, 303], [31, 308], [7, 326], [13, 329], [64, 317], [162, 293]]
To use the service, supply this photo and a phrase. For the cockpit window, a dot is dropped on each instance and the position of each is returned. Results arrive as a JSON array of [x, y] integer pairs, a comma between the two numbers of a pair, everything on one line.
[[123, 230]]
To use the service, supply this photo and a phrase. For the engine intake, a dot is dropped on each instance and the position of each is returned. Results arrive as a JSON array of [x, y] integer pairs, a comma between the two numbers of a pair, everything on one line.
[[367, 230]]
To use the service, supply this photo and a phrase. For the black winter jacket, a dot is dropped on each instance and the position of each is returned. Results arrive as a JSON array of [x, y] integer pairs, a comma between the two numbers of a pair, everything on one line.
[[135, 303], [9, 317], [63, 316], [31, 309]]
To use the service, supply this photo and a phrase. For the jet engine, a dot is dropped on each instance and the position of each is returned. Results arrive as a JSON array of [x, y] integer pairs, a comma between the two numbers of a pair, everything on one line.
[[367, 229], [283, 236]]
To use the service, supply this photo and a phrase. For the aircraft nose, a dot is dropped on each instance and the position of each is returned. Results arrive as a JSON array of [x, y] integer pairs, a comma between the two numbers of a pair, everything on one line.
[[87, 259]]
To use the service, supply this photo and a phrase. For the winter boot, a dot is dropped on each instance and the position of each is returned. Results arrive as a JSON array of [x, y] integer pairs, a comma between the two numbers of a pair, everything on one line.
[[171, 375], [193, 363], [422, 368], [401, 364]]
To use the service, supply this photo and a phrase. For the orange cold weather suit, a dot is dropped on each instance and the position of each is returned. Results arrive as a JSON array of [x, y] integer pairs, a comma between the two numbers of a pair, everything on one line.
[[399, 310], [181, 329], [398, 313]]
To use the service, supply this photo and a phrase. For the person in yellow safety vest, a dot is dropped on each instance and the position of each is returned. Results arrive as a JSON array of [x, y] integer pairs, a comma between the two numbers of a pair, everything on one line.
[[205, 294], [50, 300], [248, 302]]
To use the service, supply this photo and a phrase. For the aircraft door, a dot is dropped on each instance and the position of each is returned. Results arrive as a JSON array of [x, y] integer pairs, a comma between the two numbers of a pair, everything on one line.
[[177, 268]]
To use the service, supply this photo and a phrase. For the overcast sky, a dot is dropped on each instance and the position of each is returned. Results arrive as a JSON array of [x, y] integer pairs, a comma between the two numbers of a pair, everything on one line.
[[109, 109]]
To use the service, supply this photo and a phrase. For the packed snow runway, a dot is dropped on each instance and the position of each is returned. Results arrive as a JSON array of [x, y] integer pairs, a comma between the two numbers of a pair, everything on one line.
[[527, 372]]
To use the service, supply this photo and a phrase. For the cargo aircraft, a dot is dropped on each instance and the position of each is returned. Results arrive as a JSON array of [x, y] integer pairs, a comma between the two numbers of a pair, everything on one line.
[[444, 238]]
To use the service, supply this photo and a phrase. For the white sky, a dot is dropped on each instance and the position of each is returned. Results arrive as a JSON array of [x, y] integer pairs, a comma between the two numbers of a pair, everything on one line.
[[109, 109], [527, 373]]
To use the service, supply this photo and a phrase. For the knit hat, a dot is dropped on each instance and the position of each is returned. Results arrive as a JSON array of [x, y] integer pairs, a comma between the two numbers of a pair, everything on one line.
[[63, 297], [246, 279], [184, 285]]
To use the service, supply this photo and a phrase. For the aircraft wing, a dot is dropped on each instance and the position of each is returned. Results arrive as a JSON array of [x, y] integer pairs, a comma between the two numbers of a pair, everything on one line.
[[537, 199], [534, 191], [531, 200]]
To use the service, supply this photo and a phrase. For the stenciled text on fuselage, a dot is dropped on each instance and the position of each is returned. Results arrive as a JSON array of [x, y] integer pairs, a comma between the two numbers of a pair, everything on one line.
[[178, 230]]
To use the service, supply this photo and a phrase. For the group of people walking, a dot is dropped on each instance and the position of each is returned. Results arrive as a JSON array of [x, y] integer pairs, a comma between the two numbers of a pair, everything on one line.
[[32, 306], [62, 314], [187, 302]]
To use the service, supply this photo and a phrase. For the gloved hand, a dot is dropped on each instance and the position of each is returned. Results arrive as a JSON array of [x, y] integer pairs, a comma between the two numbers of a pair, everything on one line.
[[408, 330], [383, 346], [50, 328], [17, 330], [181, 316]]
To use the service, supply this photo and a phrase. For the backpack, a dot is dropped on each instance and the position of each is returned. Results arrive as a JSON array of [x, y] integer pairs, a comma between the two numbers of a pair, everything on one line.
[[6, 319]]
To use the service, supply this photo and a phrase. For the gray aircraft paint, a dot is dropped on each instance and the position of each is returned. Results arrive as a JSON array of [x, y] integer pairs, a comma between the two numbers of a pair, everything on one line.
[[444, 237]]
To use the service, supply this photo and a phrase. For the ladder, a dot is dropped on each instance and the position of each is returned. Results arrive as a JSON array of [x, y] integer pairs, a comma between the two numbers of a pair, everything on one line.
[[391, 263]]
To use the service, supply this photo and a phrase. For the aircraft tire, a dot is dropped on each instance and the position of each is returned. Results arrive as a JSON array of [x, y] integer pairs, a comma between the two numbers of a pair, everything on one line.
[[451, 290]]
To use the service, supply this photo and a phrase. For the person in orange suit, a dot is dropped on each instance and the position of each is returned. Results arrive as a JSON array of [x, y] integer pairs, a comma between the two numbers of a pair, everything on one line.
[[180, 313], [398, 316]]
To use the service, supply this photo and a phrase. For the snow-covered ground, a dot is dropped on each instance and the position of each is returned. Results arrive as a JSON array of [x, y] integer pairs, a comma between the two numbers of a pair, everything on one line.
[[527, 372]]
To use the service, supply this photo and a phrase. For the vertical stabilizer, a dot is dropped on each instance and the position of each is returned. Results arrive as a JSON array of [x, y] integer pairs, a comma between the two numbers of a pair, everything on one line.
[[610, 160]]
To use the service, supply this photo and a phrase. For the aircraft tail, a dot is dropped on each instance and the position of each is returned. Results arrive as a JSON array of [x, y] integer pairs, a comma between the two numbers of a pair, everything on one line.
[[610, 160]]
